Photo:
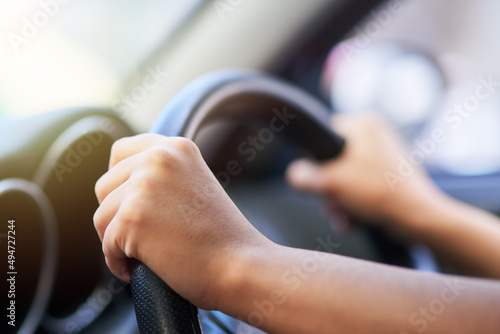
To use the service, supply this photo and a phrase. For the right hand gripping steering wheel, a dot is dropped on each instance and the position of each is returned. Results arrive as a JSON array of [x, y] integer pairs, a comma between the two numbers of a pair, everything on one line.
[[241, 97]]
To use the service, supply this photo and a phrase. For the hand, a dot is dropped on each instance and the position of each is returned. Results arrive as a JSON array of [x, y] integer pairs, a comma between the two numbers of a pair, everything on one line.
[[364, 180], [161, 204]]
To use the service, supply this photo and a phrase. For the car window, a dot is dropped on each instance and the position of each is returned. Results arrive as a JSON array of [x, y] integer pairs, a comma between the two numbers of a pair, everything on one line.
[[60, 53]]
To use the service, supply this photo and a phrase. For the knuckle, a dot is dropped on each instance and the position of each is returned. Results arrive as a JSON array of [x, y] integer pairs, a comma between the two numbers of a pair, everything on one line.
[[129, 231], [186, 146], [99, 187], [144, 183], [131, 247], [158, 156], [171, 155], [98, 221], [117, 145], [109, 244], [116, 148], [125, 240]]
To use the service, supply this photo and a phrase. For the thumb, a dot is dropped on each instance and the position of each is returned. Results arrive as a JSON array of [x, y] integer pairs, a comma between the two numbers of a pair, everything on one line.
[[307, 175]]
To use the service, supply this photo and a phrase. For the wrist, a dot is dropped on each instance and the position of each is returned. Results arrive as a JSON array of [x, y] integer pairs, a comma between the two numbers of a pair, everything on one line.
[[421, 210], [240, 282]]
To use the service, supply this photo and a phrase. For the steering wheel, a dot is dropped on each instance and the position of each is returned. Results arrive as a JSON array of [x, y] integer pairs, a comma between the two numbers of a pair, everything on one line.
[[241, 97]]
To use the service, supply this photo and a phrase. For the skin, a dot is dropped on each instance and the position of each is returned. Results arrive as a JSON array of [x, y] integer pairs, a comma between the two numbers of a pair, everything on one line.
[[160, 204]]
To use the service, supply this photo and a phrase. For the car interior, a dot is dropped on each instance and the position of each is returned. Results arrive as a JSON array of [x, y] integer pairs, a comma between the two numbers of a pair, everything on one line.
[[77, 76]]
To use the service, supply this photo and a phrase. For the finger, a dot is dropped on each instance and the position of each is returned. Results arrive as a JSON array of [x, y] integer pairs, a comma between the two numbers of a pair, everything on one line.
[[346, 125], [129, 146], [108, 209], [112, 247], [114, 178], [307, 175]]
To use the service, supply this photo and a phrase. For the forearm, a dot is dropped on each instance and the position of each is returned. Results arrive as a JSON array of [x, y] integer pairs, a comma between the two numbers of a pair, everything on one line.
[[285, 290], [464, 236]]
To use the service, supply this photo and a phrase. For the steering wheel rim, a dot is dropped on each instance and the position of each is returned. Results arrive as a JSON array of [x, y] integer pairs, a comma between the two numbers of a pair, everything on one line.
[[233, 94]]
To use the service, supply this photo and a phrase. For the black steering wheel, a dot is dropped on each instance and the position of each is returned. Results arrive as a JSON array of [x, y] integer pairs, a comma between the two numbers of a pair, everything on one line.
[[241, 97]]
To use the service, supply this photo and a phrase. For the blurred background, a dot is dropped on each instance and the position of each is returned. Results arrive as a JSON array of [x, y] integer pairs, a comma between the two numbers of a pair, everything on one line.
[[55, 55], [410, 66]]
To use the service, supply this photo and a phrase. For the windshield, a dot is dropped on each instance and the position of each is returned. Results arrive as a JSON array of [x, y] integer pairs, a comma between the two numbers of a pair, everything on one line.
[[59, 53]]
